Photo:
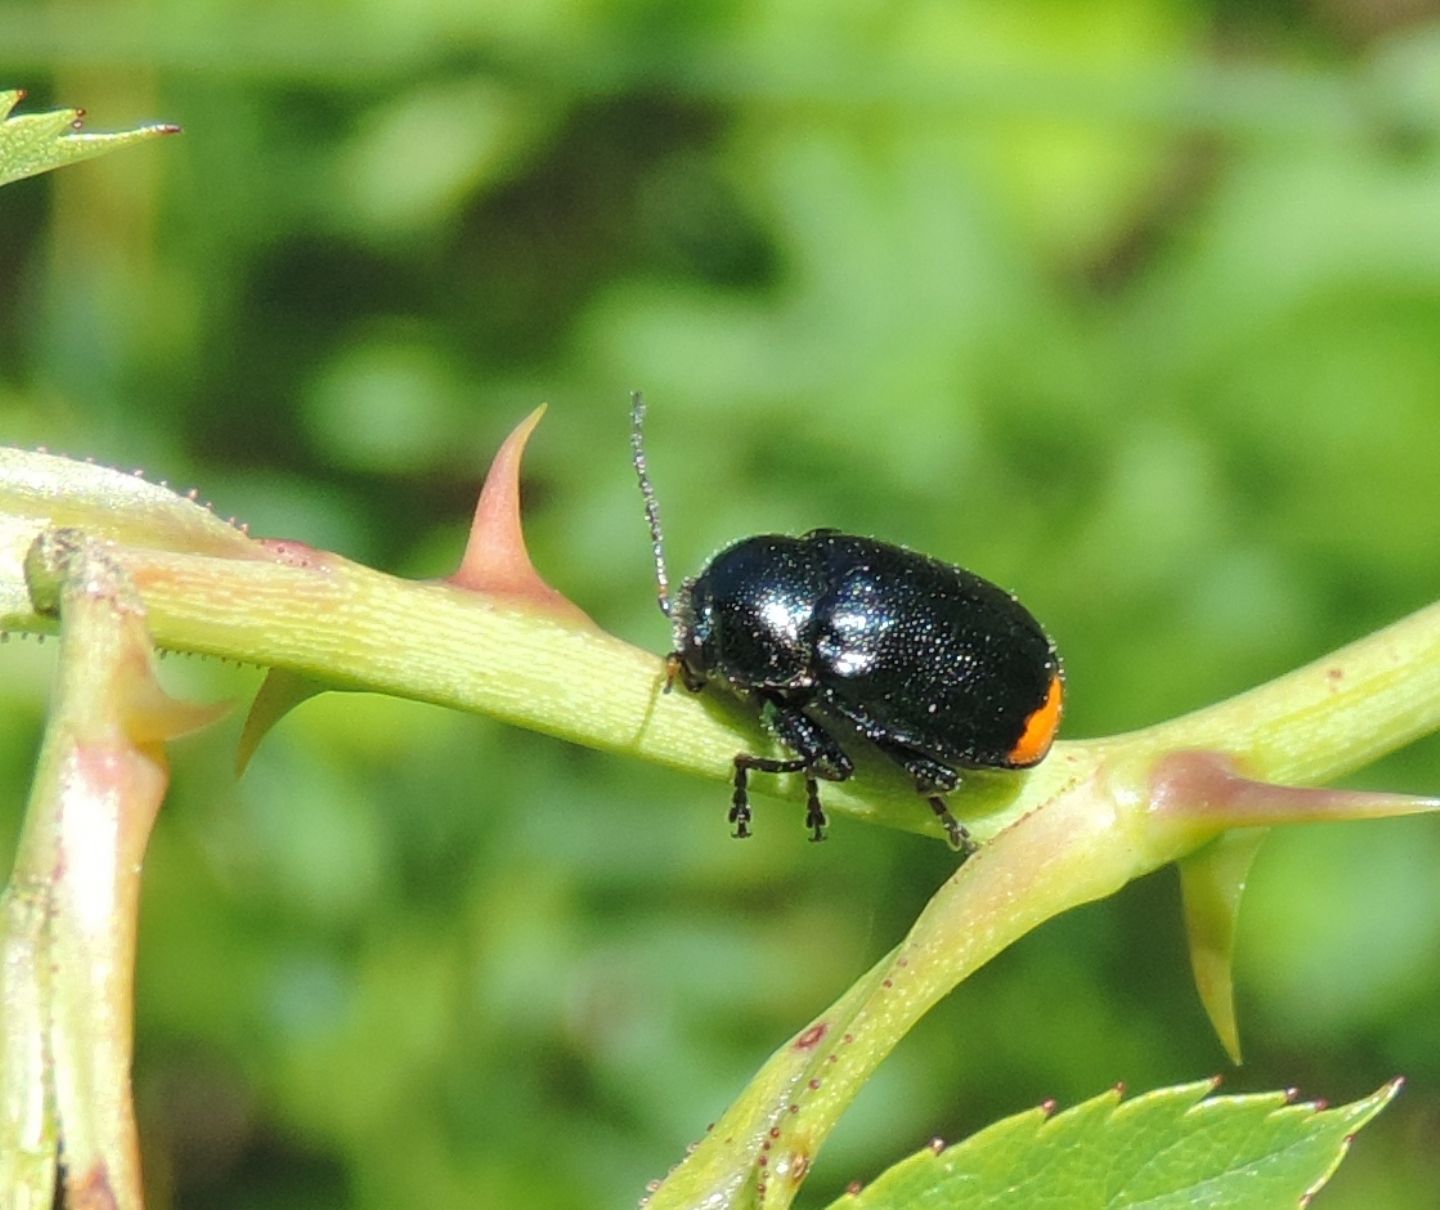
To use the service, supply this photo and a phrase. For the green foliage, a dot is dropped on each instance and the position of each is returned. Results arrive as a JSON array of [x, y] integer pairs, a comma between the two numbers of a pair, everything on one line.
[[1129, 307], [1173, 1149], [39, 142], [494, 638]]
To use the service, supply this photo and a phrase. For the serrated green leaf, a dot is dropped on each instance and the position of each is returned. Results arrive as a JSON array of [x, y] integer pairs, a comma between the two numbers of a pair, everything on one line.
[[42, 141], [1172, 1149]]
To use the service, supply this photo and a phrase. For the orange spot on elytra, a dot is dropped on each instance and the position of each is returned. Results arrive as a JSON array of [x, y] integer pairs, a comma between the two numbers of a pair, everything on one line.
[[1040, 727]]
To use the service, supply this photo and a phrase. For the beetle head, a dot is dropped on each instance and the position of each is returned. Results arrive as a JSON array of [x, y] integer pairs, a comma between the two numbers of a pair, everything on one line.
[[694, 656], [746, 617]]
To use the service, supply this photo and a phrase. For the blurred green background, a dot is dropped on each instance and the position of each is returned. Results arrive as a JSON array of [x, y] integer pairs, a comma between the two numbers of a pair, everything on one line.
[[1133, 307]]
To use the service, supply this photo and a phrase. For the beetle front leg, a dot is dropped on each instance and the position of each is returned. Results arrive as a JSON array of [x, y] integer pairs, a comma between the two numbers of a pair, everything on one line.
[[818, 756], [821, 757], [740, 800]]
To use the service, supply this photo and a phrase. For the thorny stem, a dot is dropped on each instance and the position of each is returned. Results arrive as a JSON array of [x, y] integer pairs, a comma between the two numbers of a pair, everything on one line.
[[338, 622], [1096, 814]]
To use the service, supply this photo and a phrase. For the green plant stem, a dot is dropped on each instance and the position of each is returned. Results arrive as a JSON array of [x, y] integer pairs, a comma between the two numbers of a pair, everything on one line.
[[352, 627], [1094, 815]]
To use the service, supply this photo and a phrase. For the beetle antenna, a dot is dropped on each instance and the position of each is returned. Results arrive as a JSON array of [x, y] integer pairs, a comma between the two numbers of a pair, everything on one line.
[[647, 490]]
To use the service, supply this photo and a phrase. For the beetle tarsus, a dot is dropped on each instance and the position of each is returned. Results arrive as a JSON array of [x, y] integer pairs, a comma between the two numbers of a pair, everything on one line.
[[740, 802], [960, 840], [814, 813]]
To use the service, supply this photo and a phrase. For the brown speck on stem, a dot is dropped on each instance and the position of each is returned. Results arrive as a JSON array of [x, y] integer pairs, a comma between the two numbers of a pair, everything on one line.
[[811, 1037], [291, 553]]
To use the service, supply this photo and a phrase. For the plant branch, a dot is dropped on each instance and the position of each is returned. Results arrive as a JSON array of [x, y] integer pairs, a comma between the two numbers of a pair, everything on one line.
[[1094, 815]]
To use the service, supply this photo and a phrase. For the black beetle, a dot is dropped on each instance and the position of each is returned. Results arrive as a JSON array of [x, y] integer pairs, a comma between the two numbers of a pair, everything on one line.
[[937, 668]]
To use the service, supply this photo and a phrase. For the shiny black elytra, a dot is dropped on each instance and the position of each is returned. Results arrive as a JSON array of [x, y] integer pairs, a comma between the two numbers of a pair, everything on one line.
[[934, 666]]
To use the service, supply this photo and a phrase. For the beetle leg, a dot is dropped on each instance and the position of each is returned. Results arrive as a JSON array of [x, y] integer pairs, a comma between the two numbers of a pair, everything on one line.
[[740, 803], [823, 758], [801, 733], [960, 840], [740, 800], [814, 813], [933, 779], [930, 776], [818, 756]]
